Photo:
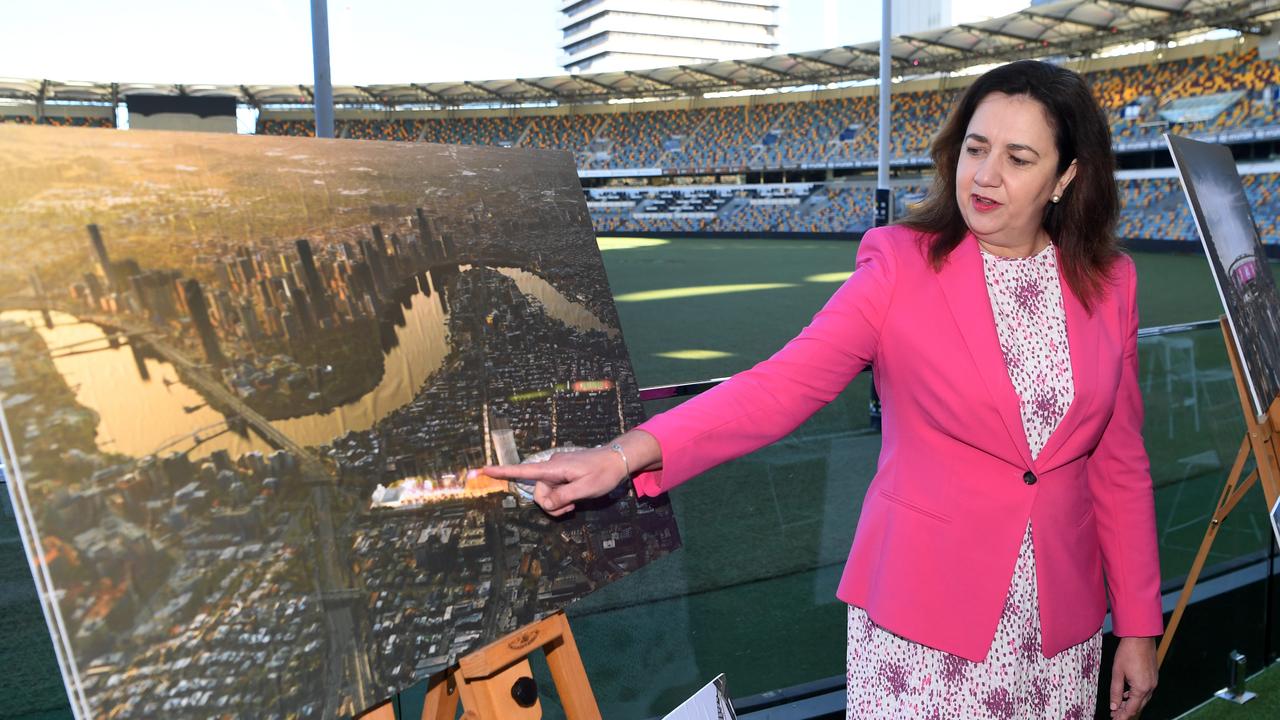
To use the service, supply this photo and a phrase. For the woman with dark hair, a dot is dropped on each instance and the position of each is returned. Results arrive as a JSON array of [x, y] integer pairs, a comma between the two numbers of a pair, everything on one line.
[[1002, 323]]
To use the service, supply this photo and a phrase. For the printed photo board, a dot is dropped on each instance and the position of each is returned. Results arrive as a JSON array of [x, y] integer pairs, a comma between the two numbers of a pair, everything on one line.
[[247, 384], [1243, 275]]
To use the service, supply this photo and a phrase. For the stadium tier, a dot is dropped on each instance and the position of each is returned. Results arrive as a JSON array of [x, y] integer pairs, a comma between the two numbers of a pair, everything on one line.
[[1153, 208], [1230, 95], [1229, 92], [60, 121], [1206, 94]]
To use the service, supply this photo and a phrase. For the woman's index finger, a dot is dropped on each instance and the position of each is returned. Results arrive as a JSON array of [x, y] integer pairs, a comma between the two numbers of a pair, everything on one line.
[[528, 471]]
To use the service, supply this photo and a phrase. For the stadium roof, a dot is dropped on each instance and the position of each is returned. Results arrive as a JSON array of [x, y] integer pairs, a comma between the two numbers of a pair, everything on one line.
[[1064, 28]]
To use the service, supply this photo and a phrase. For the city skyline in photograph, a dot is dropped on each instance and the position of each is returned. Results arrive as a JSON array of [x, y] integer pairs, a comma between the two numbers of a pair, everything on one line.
[[249, 384]]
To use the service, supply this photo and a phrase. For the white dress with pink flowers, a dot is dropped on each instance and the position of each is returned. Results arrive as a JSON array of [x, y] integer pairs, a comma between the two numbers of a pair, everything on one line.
[[892, 677]]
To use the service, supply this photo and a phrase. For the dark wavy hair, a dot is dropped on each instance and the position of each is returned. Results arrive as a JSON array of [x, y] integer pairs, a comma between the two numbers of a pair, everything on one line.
[[1083, 223]]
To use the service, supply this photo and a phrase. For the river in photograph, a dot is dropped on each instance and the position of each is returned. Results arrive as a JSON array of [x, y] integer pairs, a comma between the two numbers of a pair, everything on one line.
[[139, 417]]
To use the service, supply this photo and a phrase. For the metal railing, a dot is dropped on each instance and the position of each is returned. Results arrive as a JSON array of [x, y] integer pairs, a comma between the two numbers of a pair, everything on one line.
[[695, 387]]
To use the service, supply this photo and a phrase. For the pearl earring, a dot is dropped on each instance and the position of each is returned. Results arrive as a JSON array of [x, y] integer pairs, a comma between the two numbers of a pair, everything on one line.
[[1056, 198]]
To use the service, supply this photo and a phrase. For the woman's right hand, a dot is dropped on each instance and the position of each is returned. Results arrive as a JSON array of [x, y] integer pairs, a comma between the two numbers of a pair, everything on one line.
[[567, 477]]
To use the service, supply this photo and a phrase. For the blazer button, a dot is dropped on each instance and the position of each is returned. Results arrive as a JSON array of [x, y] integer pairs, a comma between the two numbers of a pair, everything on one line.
[[1029, 477]]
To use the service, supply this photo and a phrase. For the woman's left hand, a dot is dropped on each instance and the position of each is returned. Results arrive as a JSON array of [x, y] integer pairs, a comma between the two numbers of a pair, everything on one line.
[[1135, 665]]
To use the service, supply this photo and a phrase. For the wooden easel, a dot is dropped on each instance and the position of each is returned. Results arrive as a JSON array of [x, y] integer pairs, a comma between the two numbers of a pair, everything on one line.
[[1262, 441], [484, 680]]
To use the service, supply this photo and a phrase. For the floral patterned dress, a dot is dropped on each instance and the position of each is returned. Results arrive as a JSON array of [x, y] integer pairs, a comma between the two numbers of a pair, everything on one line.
[[892, 677]]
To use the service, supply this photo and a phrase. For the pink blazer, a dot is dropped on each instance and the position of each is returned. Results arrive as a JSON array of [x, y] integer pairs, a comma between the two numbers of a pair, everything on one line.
[[944, 516]]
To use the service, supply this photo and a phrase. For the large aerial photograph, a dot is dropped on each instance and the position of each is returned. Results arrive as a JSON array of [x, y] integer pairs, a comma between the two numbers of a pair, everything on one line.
[[248, 387]]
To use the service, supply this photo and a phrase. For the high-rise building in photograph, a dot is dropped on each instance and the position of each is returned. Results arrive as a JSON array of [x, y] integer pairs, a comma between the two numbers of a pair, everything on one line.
[[607, 35], [199, 308]]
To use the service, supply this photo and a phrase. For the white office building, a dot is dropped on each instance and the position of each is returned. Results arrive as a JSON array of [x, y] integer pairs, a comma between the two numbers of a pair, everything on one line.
[[609, 35], [910, 16]]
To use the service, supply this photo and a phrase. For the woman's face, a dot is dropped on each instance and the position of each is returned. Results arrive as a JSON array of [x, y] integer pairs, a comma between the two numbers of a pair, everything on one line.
[[1007, 171]]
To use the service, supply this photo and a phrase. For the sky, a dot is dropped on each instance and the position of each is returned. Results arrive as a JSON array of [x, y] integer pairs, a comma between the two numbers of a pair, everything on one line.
[[371, 41]]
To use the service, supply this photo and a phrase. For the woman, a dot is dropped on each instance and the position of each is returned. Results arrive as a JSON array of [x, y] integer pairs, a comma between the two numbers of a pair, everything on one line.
[[1002, 323]]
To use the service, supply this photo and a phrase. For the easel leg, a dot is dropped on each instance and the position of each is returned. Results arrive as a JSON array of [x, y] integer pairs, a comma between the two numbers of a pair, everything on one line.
[[1227, 501], [442, 698], [570, 676]]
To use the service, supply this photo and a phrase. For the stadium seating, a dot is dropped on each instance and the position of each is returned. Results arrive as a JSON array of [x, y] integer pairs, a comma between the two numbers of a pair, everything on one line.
[[1187, 96], [1263, 191], [1203, 94], [363, 129], [1153, 209], [1152, 92], [60, 121], [297, 128], [792, 208]]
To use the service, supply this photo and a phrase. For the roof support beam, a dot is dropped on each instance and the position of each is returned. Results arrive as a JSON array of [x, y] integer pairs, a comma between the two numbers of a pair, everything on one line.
[[932, 43], [376, 97], [41, 96], [874, 54], [248, 95], [485, 90], [920, 44], [440, 99], [756, 66], [819, 61], [704, 73], [654, 80], [606, 86], [541, 89]]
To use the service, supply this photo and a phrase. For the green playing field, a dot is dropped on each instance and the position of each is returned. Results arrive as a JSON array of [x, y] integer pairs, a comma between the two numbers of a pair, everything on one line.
[[699, 308]]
